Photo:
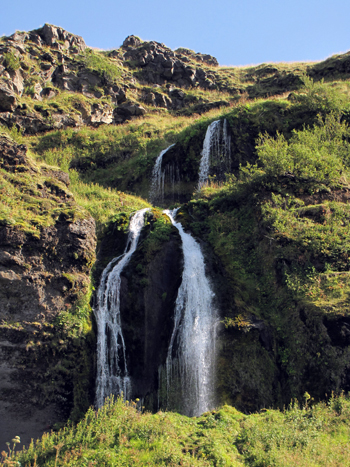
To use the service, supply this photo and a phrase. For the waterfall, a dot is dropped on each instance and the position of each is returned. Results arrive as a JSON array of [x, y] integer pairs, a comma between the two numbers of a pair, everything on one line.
[[216, 151], [227, 147], [112, 373], [211, 136], [158, 179], [191, 358]]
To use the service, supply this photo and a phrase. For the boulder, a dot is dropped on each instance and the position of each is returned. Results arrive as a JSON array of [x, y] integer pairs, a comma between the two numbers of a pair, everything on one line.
[[127, 111], [49, 93], [17, 82], [52, 34], [117, 94], [8, 101], [101, 114], [18, 37], [132, 41], [11, 155]]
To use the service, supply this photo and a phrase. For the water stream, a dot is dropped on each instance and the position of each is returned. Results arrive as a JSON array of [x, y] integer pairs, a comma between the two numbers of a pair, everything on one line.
[[191, 358], [112, 372]]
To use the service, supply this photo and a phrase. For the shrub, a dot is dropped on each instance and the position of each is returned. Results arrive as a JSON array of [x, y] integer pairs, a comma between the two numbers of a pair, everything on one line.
[[97, 62], [11, 62], [320, 153], [320, 97]]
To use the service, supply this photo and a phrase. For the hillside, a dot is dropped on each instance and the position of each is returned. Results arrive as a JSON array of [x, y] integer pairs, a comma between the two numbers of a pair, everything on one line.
[[81, 133]]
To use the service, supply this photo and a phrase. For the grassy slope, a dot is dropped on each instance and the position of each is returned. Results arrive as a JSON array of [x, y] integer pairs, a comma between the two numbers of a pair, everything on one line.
[[119, 435]]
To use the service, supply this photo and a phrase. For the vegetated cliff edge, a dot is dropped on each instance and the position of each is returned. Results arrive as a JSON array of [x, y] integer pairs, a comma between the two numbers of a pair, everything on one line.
[[47, 249]]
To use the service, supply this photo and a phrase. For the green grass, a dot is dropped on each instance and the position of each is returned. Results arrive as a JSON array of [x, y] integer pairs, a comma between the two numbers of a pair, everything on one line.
[[103, 204], [120, 435], [98, 62], [31, 199], [11, 62]]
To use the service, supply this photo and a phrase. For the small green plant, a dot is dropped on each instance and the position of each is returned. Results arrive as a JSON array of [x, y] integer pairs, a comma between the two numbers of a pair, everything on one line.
[[99, 63], [11, 62], [320, 97], [8, 458]]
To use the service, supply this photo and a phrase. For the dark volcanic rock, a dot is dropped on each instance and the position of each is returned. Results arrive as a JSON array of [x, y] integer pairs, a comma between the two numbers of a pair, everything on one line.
[[132, 41], [127, 111], [51, 34], [28, 124], [160, 64], [8, 101]]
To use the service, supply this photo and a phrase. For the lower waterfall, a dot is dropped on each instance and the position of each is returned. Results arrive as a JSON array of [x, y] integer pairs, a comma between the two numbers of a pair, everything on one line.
[[112, 372], [191, 359]]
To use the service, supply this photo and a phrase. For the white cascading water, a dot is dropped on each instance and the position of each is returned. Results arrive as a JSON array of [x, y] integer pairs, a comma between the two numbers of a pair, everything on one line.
[[112, 373], [158, 178], [227, 147], [211, 138], [216, 148], [191, 358]]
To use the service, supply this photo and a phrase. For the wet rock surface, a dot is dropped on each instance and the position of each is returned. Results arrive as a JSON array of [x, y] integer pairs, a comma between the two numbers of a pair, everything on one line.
[[147, 300]]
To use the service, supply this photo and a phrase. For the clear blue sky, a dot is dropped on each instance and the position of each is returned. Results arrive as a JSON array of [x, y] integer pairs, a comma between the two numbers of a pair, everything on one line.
[[236, 32]]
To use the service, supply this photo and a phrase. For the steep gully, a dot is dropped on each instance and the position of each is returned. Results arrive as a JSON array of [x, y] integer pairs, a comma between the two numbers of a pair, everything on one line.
[[189, 371]]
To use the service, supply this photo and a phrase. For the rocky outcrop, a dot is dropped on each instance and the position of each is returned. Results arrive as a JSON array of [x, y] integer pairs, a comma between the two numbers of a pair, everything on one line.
[[127, 111], [42, 274], [160, 64], [116, 86], [52, 36], [8, 101], [132, 41], [40, 277], [32, 123]]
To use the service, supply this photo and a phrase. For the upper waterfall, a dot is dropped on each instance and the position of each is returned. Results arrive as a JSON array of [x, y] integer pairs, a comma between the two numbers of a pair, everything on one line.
[[112, 372], [216, 151], [191, 356], [158, 178]]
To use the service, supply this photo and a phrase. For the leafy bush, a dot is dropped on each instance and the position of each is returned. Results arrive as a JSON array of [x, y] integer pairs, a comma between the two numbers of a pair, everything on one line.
[[320, 153], [320, 97]]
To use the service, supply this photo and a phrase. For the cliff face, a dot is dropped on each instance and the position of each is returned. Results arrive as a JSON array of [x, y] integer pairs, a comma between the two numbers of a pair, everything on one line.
[[44, 270], [113, 112]]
